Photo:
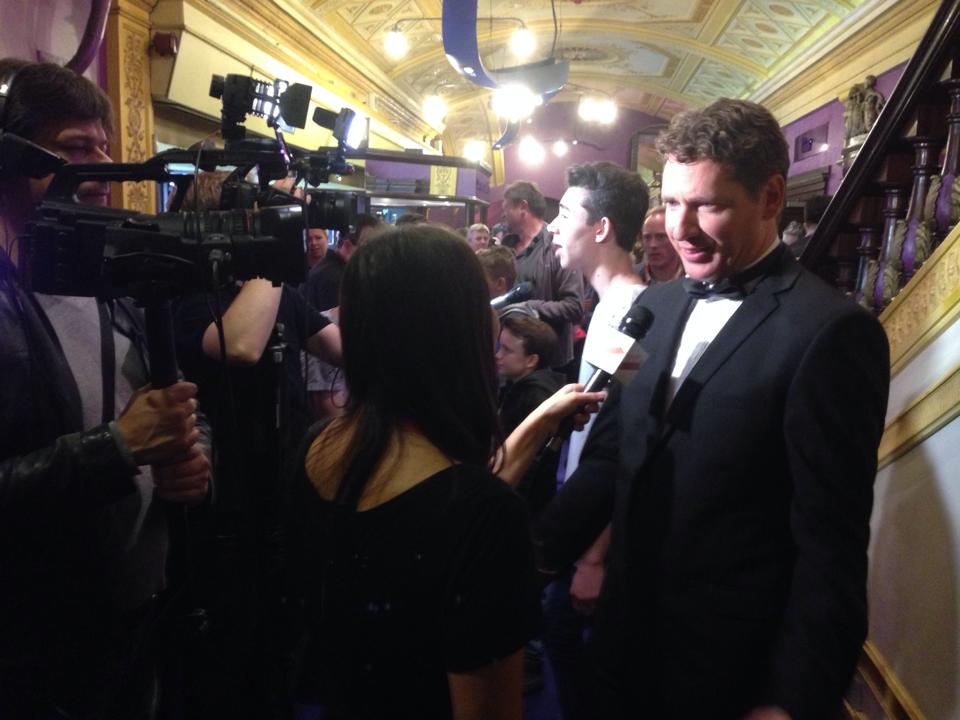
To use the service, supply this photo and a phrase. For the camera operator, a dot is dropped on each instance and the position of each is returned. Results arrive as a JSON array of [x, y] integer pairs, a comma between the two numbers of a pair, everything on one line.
[[85, 448], [259, 413]]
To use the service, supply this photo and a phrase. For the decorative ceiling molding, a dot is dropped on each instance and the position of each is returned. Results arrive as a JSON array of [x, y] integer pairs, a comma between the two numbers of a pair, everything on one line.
[[656, 56]]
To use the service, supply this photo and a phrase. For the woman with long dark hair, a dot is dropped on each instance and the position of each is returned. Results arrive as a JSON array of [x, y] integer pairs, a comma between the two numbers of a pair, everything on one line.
[[420, 588]]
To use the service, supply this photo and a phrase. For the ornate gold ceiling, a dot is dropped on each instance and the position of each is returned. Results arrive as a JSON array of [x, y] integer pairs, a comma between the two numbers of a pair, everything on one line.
[[656, 56]]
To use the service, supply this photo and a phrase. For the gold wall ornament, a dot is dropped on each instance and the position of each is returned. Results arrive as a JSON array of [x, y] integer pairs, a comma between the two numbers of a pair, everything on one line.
[[891, 270], [955, 202], [930, 204], [922, 243], [128, 42], [869, 284], [926, 305]]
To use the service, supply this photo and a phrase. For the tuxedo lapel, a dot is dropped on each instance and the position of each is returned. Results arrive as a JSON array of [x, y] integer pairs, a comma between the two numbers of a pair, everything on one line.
[[644, 400]]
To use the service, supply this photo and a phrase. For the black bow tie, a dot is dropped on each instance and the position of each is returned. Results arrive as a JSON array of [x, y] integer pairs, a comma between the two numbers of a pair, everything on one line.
[[724, 288], [737, 286]]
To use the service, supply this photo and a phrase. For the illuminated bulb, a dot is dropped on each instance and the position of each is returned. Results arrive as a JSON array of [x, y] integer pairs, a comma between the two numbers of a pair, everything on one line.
[[514, 102], [475, 150], [560, 148], [531, 152], [608, 112], [824, 147], [598, 111], [522, 43], [396, 44], [434, 109]]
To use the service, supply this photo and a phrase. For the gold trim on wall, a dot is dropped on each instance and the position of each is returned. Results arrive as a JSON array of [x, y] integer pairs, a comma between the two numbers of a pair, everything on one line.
[[926, 415], [128, 41], [927, 306]]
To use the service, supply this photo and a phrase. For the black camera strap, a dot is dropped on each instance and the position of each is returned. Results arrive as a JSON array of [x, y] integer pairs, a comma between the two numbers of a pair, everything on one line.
[[108, 361]]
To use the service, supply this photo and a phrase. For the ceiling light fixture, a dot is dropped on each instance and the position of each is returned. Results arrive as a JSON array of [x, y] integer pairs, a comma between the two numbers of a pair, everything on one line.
[[560, 148], [522, 43], [598, 110], [514, 102], [475, 150], [396, 44], [531, 152], [434, 110]]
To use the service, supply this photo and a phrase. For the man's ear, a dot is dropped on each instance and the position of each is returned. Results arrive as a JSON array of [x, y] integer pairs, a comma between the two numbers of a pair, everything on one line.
[[773, 195], [604, 230], [501, 284], [531, 361]]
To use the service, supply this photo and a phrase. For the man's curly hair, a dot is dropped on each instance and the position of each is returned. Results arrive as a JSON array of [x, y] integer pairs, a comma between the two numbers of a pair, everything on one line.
[[741, 135]]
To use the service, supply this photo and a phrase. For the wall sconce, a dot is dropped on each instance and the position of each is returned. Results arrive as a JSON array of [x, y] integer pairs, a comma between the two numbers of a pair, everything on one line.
[[522, 42]]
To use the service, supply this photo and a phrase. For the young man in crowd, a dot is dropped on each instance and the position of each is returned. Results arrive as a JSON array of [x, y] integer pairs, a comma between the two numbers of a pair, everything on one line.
[[499, 264], [600, 215]]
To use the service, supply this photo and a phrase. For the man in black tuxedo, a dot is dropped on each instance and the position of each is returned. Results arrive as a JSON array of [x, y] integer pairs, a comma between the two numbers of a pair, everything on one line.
[[738, 464]]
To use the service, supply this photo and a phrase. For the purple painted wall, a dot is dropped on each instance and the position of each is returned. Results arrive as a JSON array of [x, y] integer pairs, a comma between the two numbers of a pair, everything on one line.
[[556, 121], [832, 115], [47, 30]]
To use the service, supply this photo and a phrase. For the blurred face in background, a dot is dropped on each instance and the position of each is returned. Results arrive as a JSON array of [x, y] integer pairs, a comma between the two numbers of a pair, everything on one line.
[[316, 245], [658, 252], [513, 362], [478, 239]]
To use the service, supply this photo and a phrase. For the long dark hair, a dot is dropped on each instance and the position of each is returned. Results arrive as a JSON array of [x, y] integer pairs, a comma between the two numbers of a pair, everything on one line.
[[417, 348]]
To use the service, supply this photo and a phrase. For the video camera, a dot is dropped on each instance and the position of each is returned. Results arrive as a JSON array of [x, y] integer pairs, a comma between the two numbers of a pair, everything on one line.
[[257, 232]]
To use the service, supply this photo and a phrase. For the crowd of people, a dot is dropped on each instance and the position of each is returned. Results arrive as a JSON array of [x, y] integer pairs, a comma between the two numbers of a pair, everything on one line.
[[370, 521]]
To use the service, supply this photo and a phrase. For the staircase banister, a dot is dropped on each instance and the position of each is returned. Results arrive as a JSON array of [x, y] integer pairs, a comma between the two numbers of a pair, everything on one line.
[[921, 71]]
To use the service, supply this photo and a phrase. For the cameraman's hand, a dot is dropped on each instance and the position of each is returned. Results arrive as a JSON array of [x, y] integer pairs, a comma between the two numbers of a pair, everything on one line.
[[186, 480], [159, 426]]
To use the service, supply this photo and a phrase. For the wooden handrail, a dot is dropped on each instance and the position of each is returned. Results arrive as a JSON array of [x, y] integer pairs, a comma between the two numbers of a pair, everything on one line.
[[921, 71]]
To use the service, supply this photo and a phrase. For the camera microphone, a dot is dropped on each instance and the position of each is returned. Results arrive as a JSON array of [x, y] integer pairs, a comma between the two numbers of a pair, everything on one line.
[[519, 293], [618, 353]]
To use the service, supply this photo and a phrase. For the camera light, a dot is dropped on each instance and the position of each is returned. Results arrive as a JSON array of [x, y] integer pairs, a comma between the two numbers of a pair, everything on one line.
[[396, 44], [357, 132]]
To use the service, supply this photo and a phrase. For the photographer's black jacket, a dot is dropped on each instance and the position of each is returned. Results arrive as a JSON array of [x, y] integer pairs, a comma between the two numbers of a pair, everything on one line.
[[56, 485]]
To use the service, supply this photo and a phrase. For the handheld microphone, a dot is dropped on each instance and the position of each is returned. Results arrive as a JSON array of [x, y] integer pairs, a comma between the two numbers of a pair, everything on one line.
[[634, 325], [519, 293]]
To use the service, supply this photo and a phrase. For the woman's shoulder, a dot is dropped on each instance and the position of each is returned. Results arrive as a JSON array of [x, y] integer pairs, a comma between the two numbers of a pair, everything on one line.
[[471, 488]]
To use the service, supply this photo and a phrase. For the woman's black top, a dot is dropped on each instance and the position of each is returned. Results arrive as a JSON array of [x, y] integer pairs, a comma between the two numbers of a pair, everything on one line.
[[438, 579]]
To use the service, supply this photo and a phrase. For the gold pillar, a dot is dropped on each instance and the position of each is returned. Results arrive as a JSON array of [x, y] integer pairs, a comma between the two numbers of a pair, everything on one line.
[[128, 85]]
